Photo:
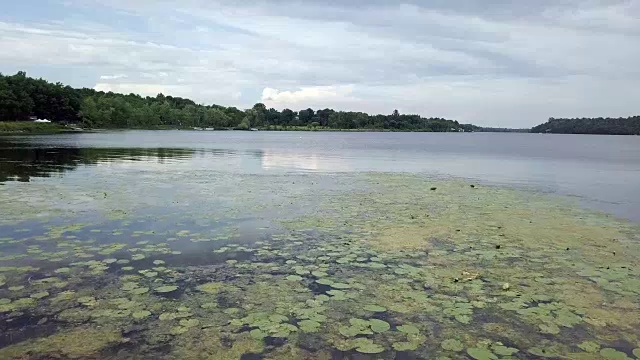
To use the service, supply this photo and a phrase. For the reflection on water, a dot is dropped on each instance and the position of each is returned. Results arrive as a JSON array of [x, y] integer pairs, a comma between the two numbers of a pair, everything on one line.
[[307, 162], [602, 172], [21, 163]]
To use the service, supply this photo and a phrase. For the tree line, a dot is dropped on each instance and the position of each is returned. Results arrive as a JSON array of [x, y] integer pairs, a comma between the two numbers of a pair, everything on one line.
[[22, 97], [604, 126]]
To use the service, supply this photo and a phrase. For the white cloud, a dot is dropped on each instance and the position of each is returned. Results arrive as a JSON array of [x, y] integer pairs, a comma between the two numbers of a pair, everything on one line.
[[113, 77], [306, 95]]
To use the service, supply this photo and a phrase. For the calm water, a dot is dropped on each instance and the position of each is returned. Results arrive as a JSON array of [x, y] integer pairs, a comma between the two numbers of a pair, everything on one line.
[[347, 246], [601, 171]]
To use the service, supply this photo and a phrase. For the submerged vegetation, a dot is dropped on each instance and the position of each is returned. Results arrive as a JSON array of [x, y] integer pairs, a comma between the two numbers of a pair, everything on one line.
[[372, 267]]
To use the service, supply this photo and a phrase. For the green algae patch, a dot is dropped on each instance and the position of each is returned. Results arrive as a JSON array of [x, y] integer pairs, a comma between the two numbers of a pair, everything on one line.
[[381, 265], [78, 342]]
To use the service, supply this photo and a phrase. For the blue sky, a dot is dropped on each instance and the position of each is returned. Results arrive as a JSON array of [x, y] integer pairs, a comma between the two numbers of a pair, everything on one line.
[[489, 62]]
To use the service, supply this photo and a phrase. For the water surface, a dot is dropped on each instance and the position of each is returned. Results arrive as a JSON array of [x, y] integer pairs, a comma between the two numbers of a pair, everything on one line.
[[258, 245]]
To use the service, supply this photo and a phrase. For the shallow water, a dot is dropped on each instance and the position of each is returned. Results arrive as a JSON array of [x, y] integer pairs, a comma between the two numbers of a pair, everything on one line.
[[229, 245]]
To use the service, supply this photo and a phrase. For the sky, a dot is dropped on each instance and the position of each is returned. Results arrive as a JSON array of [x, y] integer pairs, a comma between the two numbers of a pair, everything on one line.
[[497, 63]]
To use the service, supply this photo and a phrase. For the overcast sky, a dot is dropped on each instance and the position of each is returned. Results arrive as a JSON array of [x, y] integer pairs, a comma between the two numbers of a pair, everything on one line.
[[488, 62]]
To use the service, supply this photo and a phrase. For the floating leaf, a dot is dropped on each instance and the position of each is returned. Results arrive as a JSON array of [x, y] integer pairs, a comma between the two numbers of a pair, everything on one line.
[[177, 330], [257, 334], [309, 326], [589, 346], [141, 314], [503, 350], [609, 353], [165, 289], [189, 323], [379, 326], [404, 346], [375, 308], [39, 295], [140, 290], [294, 278], [408, 329], [452, 345], [549, 328], [481, 354]]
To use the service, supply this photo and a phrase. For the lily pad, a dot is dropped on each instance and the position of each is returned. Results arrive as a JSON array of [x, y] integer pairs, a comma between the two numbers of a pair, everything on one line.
[[589, 346], [165, 289], [39, 295], [452, 345], [257, 334], [369, 347], [189, 323], [177, 330], [404, 346], [609, 353], [379, 326], [408, 329], [481, 354], [141, 314], [309, 326], [294, 278], [375, 308]]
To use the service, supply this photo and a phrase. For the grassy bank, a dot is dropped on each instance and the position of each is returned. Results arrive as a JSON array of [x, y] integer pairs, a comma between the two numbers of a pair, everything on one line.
[[27, 127]]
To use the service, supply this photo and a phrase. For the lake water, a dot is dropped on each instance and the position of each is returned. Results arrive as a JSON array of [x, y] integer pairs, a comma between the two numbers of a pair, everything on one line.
[[304, 245], [601, 171]]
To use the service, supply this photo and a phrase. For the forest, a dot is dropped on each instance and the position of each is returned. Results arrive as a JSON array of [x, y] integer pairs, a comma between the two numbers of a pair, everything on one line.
[[605, 126], [23, 97]]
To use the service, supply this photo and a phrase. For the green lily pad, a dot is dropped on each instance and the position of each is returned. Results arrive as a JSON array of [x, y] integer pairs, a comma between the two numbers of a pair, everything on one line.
[[165, 289], [294, 278], [369, 347], [636, 353], [589, 346], [88, 301], [277, 318], [141, 314], [39, 295], [324, 281], [379, 326], [404, 346], [189, 323], [452, 345], [503, 350], [167, 316], [63, 270], [140, 290], [177, 330], [609, 353], [481, 354], [158, 262], [309, 326], [375, 308], [408, 329], [257, 334], [549, 328], [138, 257]]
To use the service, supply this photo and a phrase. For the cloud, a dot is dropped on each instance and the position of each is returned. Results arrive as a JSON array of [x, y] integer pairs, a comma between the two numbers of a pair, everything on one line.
[[306, 96], [113, 77], [489, 62]]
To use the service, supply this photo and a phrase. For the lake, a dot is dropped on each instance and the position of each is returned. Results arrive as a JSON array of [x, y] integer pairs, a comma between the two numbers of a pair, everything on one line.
[[318, 245], [601, 171]]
